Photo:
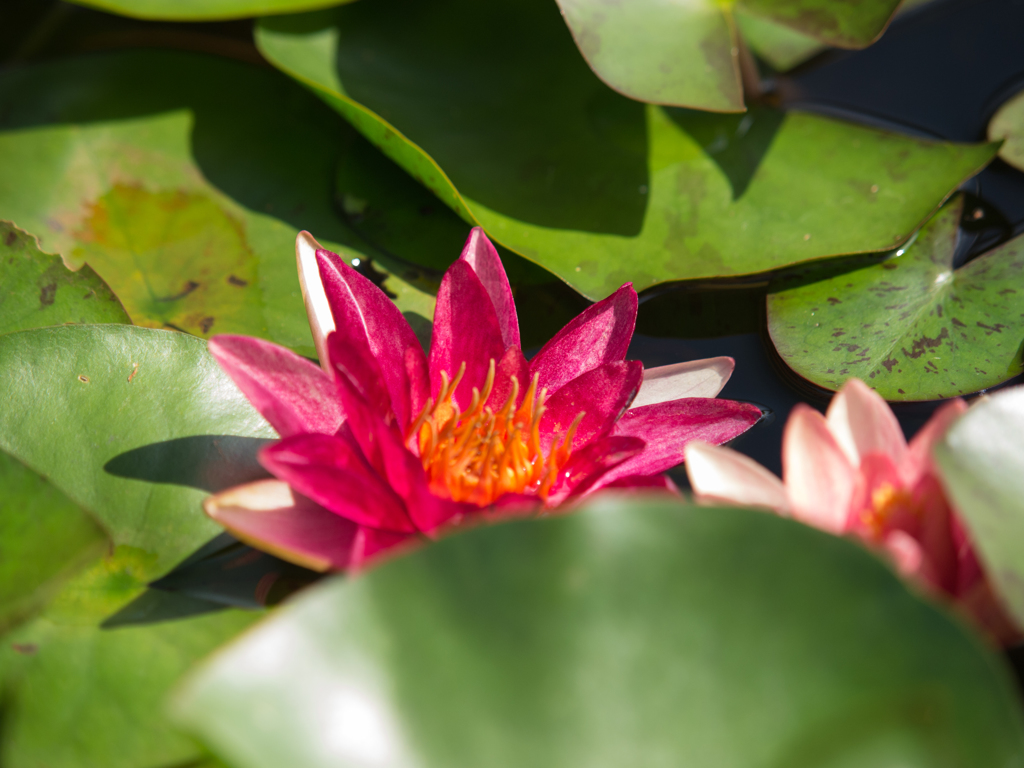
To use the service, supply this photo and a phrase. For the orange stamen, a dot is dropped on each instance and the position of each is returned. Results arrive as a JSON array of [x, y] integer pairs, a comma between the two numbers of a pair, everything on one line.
[[482, 454]]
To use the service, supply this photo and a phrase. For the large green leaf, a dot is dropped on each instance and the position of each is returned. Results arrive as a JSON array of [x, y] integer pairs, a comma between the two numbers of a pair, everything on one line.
[[595, 187], [632, 633], [782, 47], [137, 425], [204, 10], [982, 465], [687, 54], [37, 290], [44, 539], [1008, 124], [182, 180], [912, 326]]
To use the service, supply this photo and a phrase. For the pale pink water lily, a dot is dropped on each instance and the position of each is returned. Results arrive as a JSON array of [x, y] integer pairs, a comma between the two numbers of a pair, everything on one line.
[[852, 472], [384, 446]]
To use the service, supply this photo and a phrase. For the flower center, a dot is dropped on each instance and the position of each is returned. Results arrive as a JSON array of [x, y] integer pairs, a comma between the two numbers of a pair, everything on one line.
[[886, 501], [482, 454]]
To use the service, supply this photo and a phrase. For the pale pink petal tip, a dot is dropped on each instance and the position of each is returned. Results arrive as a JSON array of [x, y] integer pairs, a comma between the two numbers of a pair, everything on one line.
[[321, 321], [697, 378], [269, 516], [818, 476], [862, 423], [722, 475]]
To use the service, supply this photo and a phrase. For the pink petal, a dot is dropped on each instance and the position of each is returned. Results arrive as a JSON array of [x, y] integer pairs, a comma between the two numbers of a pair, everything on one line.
[[906, 554], [465, 331], [512, 363], [667, 428], [352, 362], [697, 378], [291, 393], [818, 477], [722, 475], [318, 310], [269, 516], [642, 483], [332, 472], [362, 310], [918, 459], [586, 466], [481, 255], [405, 475], [602, 395], [598, 335], [372, 546], [862, 423]]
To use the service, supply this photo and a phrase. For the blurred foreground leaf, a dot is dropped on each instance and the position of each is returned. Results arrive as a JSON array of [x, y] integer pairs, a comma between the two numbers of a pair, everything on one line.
[[982, 463], [37, 290], [595, 187], [912, 326], [632, 633]]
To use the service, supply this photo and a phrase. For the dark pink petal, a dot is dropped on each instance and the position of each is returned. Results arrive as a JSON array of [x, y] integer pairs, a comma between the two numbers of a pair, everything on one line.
[[598, 335], [332, 472], [291, 393], [350, 359], [512, 363], [587, 465], [269, 516], [481, 255], [405, 475], [361, 309], [372, 546], [667, 428], [642, 483], [465, 331], [602, 395]]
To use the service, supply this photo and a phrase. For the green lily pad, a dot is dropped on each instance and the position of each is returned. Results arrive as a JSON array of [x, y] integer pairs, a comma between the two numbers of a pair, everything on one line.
[[596, 188], [982, 464], [912, 326], [182, 180], [632, 633], [37, 290], [132, 423], [76, 695], [687, 54], [1008, 124], [780, 46], [204, 10], [44, 539], [137, 425]]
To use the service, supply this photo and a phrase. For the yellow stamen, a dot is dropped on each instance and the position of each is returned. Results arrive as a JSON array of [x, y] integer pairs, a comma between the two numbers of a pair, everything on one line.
[[482, 454], [886, 501]]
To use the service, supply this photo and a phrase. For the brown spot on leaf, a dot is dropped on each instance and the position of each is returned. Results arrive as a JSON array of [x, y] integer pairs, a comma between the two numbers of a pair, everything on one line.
[[11, 238], [922, 345], [997, 328], [889, 364], [83, 378], [26, 649], [47, 293], [958, 324], [833, 300], [206, 324], [237, 281]]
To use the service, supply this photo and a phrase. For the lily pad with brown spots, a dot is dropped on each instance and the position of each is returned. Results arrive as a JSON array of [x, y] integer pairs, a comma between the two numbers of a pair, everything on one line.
[[37, 290], [182, 180], [912, 327]]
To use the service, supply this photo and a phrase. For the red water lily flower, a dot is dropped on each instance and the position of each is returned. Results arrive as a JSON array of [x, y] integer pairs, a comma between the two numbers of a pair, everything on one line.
[[385, 445], [852, 472]]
